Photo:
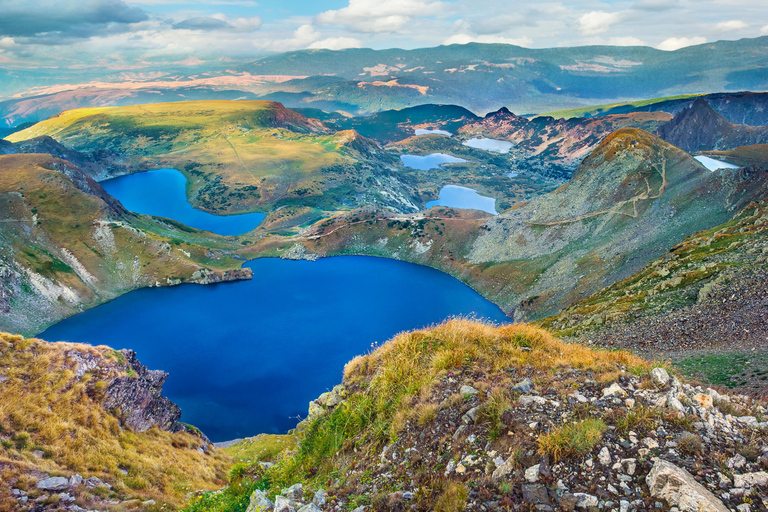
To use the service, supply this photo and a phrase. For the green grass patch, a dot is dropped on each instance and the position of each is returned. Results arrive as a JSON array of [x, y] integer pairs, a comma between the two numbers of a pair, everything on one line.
[[573, 439]]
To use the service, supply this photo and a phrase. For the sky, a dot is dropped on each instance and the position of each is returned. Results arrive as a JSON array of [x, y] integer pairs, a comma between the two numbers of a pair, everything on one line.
[[133, 33]]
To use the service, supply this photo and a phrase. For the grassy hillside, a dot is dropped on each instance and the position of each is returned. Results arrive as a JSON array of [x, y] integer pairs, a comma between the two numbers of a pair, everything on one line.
[[238, 156], [52, 423], [470, 416], [67, 245]]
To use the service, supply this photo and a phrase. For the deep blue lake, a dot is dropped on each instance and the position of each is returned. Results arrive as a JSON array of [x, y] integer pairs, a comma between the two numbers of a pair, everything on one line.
[[247, 357], [163, 193]]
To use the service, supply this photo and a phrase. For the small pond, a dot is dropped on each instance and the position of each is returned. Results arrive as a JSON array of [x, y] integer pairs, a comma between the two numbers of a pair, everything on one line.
[[464, 197], [431, 161], [495, 145]]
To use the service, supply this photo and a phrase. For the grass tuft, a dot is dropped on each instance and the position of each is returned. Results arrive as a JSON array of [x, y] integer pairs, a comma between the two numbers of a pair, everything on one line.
[[573, 439]]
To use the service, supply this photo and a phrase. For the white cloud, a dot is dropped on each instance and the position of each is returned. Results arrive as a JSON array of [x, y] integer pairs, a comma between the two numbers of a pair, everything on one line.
[[764, 31], [378, 15], [336, 43], [491, 39], [675, 43], [627, 41], [730, 26], [597, 22]]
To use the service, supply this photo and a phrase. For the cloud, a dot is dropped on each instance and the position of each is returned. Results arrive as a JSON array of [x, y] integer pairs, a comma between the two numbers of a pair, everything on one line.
[[730, 26], [378, 15], [597, 22], [627, 41], [675, 43], [764, 31], [203, 23], [58, 21], [219, 22], [336, 43], [489, 39], [656, 5]]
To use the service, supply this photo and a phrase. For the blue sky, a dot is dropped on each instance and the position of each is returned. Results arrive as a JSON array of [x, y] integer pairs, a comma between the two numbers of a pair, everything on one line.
[[79, 32]]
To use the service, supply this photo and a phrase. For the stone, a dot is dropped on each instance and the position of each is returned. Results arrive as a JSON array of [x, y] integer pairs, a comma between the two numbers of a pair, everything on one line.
[[679, 488], [614, 390], [75, 480], [503, 470], [470, 416], [675, 404], [748, 420], [535, 494], [467, 390], [526, 400], [54, 483], [749, 480], [319, 498], [95, 482], [659, 378], [532, 474], [309, 508], [259, 502], [460, 469], [524, 386], [703, 400], [744, 507], [585, 501], [629, 466], [294, 492], [629, 402], [283, 504], [604, 456], [568, 502], [456, 435], [148, 503], [650, 443], [737, 461]]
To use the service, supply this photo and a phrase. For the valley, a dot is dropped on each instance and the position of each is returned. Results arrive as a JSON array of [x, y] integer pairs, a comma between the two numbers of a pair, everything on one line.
[[544, 306]]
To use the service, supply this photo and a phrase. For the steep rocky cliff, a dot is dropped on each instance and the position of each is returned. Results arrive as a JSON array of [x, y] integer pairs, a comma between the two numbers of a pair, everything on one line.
[[701, 128]]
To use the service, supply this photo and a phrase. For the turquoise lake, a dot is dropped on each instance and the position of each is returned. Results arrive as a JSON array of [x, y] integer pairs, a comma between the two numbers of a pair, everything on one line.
[[163, 193], [431, 161], [247, 357]]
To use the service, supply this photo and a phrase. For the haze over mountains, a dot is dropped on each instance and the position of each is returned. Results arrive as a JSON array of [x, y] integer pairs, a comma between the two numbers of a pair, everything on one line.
[[480, 77]]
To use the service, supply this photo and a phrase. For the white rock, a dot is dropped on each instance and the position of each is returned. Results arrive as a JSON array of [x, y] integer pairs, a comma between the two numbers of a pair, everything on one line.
[[650, 443], [319, 498], [604, 456], [283, 504], [748, 480], [614, 390], [680, 489], [675, 404], [526, 400], [629, 402], [737, 461], [467, 390], [532, 474], [586, 501], [659, 377], [54, 483], [309, 508]]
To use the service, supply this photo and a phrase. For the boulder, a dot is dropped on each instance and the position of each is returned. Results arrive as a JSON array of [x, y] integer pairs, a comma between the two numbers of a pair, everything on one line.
[[749, 480], [467, 390], [678, 487], [660, 378], [54, 483], [524, 386], [283, 504], [259, 502], [535, 494], [614, 390]]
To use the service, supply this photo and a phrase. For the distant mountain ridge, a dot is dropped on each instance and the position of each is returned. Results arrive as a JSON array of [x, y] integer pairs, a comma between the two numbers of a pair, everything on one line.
[[480, 77]]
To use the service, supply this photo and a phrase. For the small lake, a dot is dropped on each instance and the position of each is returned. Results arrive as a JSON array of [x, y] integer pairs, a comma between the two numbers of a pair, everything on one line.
[[513, 174], [422, 131], [431, 161], [162, 193], [713, 165], [464, 197], [495, 145], [247, 357]]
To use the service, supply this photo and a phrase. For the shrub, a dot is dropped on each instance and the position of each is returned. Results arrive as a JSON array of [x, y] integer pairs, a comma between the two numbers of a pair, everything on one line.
[[573, 439], [690, 444]]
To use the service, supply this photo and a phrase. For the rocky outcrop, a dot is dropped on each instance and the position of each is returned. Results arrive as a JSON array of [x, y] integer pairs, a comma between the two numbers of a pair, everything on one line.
[[137, 398]]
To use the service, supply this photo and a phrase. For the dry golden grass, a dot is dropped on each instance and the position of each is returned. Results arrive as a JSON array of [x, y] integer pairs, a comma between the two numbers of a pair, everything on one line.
[[45, 407], [412, 360]]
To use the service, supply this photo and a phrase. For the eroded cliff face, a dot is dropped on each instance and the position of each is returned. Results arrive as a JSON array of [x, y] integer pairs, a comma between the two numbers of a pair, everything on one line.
[[137, 398]]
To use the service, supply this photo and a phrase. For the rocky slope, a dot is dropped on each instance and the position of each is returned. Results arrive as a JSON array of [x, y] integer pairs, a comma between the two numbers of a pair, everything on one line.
[[466, 416], [67, 245], [86, 428], [558, 142], [634, 197], [701, 128]]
